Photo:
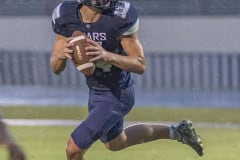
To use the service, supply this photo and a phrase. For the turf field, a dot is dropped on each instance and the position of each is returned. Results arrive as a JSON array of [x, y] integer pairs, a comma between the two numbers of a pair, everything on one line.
[[48, 143], [139, 114]]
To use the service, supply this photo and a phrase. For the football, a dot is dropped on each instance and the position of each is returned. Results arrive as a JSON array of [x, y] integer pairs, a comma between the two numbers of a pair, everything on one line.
[[80, 58]]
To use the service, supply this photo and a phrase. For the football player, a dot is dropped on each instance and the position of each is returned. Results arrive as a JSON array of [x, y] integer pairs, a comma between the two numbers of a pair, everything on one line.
[[112, 26], [15, 152]]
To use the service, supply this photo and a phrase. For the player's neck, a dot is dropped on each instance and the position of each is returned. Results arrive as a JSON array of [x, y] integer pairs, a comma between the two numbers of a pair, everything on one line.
[[88, 15]]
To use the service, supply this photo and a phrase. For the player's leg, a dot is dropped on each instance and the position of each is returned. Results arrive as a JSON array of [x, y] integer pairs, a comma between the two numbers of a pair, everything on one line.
[[183, 132], [80, 140], [15, 152], [142, 133], [73, 152], [139, 133], [135, 134], [100, 120]]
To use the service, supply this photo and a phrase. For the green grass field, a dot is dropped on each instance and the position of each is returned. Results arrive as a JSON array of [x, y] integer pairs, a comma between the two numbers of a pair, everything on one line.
[[140, 114], [48, 143]]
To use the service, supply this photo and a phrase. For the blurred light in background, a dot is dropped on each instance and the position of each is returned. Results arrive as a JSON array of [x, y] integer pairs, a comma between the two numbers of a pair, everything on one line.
[[192, 50]]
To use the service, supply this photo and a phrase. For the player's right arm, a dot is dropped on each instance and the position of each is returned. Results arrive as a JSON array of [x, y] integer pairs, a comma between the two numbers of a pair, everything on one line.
[[60, 53], [61, 49]]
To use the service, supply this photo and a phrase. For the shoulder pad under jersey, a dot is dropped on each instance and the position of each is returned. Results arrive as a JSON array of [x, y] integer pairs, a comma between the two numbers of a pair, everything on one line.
[[128, 18], [65, 13]]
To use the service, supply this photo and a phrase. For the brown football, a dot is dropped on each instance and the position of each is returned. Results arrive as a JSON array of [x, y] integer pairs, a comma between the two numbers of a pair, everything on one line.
[[79, 54]]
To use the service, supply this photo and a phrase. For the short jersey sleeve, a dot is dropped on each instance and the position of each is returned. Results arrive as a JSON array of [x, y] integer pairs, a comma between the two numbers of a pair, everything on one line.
[[55, 16], [129, 20], [64, 17]]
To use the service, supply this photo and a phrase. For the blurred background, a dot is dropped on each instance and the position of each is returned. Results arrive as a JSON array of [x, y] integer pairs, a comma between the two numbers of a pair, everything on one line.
[[191, 46]]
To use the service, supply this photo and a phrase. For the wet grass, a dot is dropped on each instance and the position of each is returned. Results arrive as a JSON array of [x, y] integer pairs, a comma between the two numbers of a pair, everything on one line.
[[49, 143], [137, 114]]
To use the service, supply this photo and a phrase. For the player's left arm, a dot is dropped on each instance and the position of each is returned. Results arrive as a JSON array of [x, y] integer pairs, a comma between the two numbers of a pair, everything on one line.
[[134, 61]]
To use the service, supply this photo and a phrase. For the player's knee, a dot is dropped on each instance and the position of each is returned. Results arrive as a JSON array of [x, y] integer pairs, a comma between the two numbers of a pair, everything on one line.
[[71, 147], [73, 151], [112, 147], [117, 143]]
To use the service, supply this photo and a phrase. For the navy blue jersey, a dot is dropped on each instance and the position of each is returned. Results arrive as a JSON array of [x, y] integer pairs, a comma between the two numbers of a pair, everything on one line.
[[106, 31]]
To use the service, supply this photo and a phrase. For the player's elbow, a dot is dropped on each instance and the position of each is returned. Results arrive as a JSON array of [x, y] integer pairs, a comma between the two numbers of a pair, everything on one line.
[[54, 69], [57, 66], [141, 70], [57, 72], [142, 66]]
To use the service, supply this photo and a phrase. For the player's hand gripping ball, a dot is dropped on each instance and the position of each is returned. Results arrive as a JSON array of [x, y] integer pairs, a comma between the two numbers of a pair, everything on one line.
[[80, 58]]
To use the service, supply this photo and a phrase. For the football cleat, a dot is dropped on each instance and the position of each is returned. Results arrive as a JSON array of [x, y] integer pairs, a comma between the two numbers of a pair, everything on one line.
[[189, 136]]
